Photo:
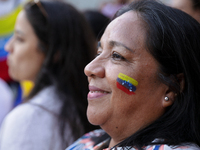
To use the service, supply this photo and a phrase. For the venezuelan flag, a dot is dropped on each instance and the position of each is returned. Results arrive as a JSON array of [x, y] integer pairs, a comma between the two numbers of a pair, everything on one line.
[[126, 84]]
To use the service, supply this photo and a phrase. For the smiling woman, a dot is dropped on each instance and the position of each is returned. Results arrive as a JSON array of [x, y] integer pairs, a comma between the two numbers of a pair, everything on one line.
[[130, 59], [153, 50]]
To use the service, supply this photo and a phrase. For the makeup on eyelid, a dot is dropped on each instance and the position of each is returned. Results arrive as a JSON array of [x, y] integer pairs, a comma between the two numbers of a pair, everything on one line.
[[126, 84]]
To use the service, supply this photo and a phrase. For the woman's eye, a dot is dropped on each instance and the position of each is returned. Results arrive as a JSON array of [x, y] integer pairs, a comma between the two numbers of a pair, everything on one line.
[[19, 39], [117, 56]]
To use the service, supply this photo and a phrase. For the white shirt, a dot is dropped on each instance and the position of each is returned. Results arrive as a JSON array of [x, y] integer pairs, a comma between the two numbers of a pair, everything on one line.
[[33, 125], [6, 99]]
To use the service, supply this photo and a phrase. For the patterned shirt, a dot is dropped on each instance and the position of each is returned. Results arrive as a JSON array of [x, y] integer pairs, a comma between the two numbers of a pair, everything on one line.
[[87, 142]]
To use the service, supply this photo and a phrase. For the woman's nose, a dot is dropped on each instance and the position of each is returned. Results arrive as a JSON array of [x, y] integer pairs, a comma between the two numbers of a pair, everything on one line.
[[9, 45], [95, 68]]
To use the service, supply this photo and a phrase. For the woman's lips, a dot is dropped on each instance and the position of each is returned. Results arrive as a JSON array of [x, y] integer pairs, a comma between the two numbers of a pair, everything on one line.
[[96, 92]]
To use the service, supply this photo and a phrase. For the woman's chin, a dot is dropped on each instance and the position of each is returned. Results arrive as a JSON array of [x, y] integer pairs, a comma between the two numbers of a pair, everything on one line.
[[93, 117]]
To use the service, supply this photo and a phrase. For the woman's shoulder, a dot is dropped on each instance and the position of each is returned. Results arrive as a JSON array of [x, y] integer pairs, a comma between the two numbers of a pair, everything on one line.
[[47, 99], [22, 115], [44, 104], [186, 146], [24, 125], [87, 141], [21, 112], [32, 112]]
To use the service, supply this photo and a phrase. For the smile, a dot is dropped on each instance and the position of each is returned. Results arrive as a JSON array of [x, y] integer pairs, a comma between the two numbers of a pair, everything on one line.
[[96, 93]]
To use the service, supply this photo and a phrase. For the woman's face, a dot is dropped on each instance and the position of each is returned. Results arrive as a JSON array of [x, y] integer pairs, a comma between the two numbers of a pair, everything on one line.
[[24, 59], [122, 50]]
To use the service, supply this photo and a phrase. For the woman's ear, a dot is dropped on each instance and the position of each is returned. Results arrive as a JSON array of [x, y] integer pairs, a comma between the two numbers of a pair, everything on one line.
[[170, 95], [169, 98]]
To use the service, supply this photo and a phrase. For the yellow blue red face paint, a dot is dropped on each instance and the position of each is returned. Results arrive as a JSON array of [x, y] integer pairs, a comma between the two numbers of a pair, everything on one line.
[[126, 84]]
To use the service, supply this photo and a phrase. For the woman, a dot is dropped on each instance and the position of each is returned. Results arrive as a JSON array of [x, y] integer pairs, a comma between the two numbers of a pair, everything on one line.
[[51, 45], [144, 82]]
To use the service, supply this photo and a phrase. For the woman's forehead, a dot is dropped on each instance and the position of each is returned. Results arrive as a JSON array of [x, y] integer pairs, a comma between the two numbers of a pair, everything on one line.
[[128, 17], [127, 29]]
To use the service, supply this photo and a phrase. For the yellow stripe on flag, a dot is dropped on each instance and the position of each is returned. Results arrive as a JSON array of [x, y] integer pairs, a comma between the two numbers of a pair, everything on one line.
[[128, 79]]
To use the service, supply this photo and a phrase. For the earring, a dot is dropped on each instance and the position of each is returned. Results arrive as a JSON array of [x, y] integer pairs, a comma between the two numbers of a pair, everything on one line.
[[166, 98]]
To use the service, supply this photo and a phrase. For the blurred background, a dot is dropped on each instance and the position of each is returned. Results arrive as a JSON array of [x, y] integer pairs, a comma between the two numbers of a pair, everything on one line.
[[94, 4]]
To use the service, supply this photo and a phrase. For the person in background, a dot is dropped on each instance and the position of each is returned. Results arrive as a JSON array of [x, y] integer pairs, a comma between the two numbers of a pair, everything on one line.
[[97, 21], [192, 7], [110, 8], [144, 82], [11, 92], [51, 45]]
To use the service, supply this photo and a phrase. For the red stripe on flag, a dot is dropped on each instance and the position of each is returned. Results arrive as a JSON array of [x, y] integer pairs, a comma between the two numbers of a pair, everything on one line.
[[121, 87]]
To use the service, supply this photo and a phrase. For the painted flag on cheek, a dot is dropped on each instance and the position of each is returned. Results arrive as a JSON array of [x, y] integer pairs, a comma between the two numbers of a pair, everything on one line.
[[126, 84]]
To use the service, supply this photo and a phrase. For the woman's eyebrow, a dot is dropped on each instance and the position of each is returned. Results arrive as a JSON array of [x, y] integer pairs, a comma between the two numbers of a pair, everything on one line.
[[19, 32], [119, 44]]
